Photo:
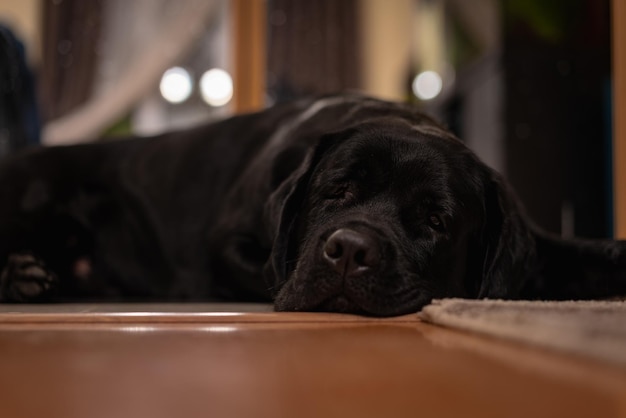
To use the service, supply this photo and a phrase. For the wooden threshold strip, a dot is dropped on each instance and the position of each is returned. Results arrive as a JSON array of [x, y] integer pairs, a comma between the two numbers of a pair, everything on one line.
[[111, 318]]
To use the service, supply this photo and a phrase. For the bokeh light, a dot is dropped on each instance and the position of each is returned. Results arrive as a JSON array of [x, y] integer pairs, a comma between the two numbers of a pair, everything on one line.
[[427, 85], [176, 85], [216, 87]]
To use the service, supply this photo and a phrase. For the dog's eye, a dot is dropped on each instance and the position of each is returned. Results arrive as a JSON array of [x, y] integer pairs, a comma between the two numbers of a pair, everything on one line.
[[362, 173], [341, 192], [435, 222]]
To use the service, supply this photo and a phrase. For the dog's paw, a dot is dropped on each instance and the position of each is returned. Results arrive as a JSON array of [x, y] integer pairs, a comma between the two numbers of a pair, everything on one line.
[[25, 278]]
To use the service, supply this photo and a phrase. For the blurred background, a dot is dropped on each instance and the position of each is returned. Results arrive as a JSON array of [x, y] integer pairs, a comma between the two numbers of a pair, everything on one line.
[[525, 83]]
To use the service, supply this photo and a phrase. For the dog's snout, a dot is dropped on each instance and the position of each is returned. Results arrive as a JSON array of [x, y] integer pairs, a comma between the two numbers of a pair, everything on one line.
[[351, 253]]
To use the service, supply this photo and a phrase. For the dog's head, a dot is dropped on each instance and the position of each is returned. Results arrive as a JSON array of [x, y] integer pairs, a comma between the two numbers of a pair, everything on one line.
[[387, 214]]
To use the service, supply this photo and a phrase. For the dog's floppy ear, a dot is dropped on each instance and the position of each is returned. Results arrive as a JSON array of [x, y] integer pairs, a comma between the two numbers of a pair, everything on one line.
[[522, 261], [508, 248], [282, 208]]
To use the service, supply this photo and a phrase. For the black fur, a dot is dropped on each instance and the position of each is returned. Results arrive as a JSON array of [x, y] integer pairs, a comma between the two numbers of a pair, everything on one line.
[[345, 204]]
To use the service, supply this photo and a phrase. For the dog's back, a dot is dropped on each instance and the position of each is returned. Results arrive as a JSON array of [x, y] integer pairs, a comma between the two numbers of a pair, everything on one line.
[[128, 218]]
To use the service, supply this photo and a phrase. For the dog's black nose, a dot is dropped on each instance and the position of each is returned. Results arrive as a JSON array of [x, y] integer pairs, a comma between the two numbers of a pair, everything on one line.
[[351, 253]]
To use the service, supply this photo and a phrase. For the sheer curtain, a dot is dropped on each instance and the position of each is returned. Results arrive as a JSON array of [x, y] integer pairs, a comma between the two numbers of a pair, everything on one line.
[[121, 55]]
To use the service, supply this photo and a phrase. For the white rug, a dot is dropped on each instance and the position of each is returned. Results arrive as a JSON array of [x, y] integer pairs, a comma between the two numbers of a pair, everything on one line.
[[590, 328]]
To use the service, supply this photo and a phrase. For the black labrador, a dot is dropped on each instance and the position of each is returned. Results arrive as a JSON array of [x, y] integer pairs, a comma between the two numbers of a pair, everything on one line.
[[341, 203]]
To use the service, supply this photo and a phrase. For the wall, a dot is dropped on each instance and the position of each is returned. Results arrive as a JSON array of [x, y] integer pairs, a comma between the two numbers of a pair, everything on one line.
[[386, 28]]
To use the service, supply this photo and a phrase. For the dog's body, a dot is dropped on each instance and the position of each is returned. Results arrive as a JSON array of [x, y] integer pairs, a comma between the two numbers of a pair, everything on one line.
[[343, 203]]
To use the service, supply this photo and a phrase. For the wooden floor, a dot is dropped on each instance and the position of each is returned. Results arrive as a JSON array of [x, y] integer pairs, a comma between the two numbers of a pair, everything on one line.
[[183, 362]]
